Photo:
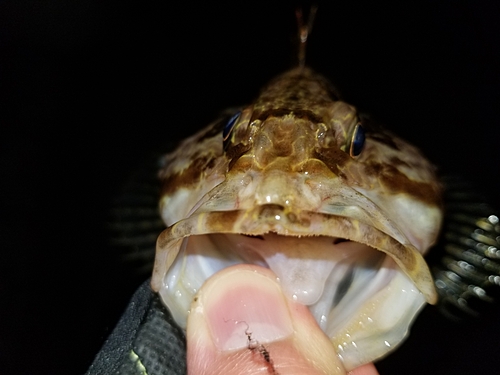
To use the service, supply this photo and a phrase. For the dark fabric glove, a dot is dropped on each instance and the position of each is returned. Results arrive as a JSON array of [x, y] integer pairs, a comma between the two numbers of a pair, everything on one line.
[[146, 340]]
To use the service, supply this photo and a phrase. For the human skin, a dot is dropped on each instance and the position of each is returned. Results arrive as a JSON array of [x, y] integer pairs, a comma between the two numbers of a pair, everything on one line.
[[241, 324]]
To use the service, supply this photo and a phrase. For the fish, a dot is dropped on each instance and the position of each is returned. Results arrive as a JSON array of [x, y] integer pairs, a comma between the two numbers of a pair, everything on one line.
[[225, 120], [338, 208]]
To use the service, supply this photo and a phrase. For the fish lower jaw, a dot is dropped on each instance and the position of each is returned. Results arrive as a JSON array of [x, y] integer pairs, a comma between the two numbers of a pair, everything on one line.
[[358, 295]]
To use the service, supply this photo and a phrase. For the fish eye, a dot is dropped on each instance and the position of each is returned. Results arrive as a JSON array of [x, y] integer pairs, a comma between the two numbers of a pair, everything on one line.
[[230, 125], [357, 140]]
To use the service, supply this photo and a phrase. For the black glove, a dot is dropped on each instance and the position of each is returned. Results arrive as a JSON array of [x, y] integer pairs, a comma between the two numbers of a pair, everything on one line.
[[146, 340]]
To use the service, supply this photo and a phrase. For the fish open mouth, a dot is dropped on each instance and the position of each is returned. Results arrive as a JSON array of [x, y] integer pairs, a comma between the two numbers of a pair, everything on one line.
[[362, 286]]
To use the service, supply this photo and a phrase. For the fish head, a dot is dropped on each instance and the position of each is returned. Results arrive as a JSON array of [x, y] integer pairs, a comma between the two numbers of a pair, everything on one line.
[[340, 209]]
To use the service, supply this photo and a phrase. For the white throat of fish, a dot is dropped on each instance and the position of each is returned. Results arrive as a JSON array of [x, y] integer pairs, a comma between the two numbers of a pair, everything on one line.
[[358, 294]]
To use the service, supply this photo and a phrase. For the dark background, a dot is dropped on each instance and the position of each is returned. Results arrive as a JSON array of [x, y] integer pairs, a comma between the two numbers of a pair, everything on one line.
[[88, 89]]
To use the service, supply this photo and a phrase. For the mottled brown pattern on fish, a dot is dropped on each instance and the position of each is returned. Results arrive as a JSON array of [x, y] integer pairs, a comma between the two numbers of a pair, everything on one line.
[[301, 96], [398, 162], [290, 149], [296, 112], [378, 133], [215, 129], [333, 158], [299, 91], [220, 221], [191, 161], [191, 175], [234, 153], [303, 87], [397, 183]]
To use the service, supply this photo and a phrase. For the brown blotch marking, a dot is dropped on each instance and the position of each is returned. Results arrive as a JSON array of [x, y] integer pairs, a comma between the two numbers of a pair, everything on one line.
[[282, 149], [374, 169], [294, 91], [397, 182], [307, 115], [275, 112], [333, 159], [215, 130], [344, 224], [300, 84], [222, 221], [378, 133], [397, 161], [406, 256], [304, 222], [187, 177], [233, 153], [299, 113], [384, 138]]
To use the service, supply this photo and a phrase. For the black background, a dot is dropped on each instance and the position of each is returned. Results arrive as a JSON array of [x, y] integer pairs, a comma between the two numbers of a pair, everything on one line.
[[89, 88]]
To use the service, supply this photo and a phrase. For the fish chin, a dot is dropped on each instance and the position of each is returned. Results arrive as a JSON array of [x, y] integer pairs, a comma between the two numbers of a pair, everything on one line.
[[359, 295]]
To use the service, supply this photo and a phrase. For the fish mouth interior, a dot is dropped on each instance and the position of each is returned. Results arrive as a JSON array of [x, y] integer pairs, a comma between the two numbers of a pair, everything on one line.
[[339, 280], [324, 273]]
